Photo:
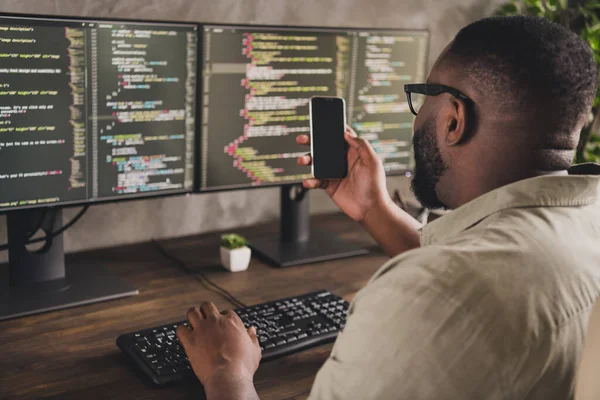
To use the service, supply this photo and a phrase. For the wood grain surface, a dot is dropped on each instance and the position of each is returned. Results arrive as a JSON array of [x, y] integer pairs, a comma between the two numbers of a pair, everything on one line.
[[71, 354]]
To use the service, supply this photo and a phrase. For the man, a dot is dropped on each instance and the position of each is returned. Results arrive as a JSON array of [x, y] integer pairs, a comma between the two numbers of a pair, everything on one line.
[[491, 300]]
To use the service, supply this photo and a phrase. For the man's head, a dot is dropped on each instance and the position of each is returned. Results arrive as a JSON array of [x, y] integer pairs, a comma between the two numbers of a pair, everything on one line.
[[531, 84]]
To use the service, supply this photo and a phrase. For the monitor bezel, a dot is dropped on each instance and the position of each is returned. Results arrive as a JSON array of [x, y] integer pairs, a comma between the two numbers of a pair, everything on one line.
[[137, 196], [200, 189]]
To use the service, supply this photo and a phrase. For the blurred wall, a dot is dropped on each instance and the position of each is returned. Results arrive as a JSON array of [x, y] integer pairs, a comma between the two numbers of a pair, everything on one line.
[[137, 221]]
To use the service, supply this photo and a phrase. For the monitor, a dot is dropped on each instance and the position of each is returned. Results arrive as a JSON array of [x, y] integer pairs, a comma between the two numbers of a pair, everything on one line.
[[90, 111], [95, 110], [256, 85]]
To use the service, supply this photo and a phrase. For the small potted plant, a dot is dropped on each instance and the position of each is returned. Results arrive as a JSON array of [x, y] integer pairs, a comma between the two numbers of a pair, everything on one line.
[[235, 253]]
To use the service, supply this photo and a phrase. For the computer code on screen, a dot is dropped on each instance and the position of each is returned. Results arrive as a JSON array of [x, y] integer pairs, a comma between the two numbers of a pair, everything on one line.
[[43, 149], [378, 110], [93, 110], [143, 120], [257, 83]]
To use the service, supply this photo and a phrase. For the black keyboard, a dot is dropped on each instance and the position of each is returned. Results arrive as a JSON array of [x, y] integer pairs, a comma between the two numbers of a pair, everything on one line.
[[283, 327]]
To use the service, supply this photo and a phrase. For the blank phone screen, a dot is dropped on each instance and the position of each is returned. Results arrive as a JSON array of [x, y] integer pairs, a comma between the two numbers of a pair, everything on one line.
[[329, 148]]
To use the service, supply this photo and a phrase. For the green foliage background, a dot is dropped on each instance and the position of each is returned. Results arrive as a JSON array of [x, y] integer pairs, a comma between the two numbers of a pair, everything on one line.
[[583, 18]]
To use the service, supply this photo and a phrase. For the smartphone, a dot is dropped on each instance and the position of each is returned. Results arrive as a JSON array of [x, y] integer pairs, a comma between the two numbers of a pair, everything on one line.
[[328, 146]]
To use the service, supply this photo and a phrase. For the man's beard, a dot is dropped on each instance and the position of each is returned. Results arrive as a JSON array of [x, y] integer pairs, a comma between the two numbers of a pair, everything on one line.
[[429, 166]]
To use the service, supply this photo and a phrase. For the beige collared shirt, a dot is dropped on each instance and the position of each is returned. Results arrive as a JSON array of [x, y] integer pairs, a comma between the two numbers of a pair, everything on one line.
[[494, 305]]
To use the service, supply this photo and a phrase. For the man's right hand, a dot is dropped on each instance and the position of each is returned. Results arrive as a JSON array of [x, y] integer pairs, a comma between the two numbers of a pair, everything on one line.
[[363, 189]]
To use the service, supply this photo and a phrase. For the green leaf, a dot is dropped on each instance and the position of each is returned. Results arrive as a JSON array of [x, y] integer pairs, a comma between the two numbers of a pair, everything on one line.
[[233, 241], [592, 5], [532, 2], [534, 10], [507, 9]]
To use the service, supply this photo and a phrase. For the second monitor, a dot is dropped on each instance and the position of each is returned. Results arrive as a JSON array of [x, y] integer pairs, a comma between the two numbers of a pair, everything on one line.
[[257, 82], [256, 85]]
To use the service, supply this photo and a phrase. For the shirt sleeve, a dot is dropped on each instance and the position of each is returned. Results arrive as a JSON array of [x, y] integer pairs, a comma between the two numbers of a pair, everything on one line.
[[407, 337]]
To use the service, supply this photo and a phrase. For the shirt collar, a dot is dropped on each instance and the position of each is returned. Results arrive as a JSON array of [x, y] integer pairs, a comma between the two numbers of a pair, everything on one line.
[[580, 187]]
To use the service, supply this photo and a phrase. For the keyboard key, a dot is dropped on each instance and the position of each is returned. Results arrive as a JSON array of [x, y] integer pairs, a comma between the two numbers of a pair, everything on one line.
[[280, 342], [165, 370], [182, 367], [302, 336], [138, 338], [269, 345]]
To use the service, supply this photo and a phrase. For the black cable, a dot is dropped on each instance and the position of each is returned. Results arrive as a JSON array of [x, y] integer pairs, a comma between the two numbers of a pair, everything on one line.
[[52, 235], [38, 225], [69, 224], [202, 278]]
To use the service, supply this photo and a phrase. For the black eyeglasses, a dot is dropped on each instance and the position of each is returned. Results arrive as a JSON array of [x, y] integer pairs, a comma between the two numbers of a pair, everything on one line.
[[415, 102]]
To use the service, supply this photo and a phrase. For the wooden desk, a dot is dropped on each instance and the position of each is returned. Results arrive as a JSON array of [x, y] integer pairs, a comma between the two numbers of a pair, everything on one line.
[[71, 354]]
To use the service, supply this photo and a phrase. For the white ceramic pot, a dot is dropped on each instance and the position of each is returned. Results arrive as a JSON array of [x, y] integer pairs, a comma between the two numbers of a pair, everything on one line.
[[237, 259]]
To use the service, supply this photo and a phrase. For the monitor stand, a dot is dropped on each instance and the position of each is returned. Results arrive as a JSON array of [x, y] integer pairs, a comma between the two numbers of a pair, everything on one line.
[[297, 244], [39, 281]]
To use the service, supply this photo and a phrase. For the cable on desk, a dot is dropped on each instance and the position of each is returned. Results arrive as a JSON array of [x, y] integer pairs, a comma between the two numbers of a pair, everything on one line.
[[202, 278], [52, 235]]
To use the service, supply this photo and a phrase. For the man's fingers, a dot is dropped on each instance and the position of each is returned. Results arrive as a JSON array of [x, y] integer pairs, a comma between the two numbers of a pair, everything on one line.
[[353, 140], [350, 131], [209, 310], [363, 147], [184, 335], [233, 316], [314, 183], [305, 160], [194, 316], [252, 334], [303, 139]]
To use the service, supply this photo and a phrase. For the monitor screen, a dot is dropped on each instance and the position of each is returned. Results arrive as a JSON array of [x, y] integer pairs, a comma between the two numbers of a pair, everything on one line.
[[257, 81], [95, 110]]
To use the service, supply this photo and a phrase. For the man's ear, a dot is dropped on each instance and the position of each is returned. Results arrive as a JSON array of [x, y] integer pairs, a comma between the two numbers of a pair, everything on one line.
[[456, 122]]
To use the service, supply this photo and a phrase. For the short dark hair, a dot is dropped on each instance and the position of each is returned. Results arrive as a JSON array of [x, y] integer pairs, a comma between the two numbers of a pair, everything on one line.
[[532, 65]]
